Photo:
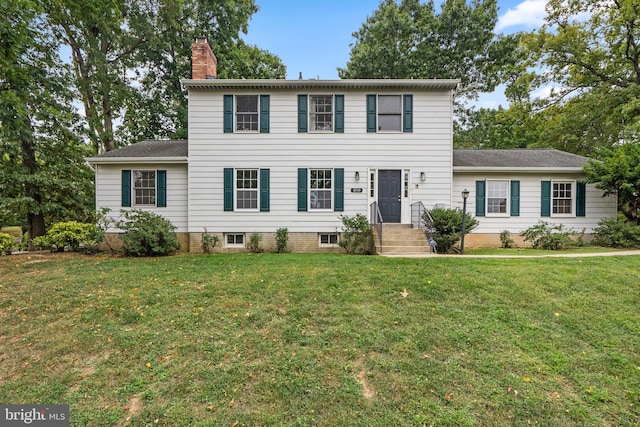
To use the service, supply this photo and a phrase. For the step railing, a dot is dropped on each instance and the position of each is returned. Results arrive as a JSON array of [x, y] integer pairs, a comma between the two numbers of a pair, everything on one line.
[[420, 218], [375, 218]]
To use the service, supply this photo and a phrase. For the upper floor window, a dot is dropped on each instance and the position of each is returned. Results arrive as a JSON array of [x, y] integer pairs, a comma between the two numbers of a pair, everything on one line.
[[247, 113], [389, 113], [321, 112]]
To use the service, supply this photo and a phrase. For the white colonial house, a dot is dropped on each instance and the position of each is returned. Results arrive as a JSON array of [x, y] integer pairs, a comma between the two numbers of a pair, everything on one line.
[[297, 154]]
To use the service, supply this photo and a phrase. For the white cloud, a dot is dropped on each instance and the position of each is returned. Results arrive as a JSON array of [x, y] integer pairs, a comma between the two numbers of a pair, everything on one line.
[[529, 13], [544, 92]]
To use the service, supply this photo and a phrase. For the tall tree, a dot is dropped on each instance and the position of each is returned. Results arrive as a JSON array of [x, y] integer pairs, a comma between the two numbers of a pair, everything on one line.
[[42, 174], [129, 56], [412, 40], [589, 51]]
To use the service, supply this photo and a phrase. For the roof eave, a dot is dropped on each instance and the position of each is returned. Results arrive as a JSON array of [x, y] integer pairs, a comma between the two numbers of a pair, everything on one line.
[[354, 84], [503, 169], [137, 160]]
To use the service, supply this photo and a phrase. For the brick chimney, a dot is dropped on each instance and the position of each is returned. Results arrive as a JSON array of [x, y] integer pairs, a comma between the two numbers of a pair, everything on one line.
[[203, 61]]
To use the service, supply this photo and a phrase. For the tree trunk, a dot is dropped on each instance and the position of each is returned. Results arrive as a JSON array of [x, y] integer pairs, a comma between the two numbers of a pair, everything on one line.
[[35, 218], [35, 227]]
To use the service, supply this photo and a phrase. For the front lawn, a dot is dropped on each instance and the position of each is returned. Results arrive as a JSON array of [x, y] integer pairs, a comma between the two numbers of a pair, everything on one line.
[[322, 340]]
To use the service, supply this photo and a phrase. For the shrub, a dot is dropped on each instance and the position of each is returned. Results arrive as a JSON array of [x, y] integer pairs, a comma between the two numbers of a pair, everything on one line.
[[357, 235], [546, 236], [73, 234], [253, 245], [6, 243], [147, 234], [447, 226], [619, 233], [505, 239], [282, 238], [209, 242]]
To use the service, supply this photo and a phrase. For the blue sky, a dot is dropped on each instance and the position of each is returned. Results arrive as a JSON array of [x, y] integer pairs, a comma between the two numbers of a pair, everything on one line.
[[313, 37]]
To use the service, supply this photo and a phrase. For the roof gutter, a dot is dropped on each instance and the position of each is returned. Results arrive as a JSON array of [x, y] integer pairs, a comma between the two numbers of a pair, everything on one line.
[[353, 84], [505, 169]]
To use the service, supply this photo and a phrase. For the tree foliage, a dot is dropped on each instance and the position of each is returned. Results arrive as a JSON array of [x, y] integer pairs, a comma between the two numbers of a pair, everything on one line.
[[411, 40], [619, 174]]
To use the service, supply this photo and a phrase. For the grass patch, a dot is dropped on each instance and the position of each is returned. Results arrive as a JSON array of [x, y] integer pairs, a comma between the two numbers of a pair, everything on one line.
[[540, 252], [297, 339]]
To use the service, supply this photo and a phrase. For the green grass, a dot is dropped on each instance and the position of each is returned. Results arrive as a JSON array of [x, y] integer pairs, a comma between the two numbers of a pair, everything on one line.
[[323, 340], [540, 252]]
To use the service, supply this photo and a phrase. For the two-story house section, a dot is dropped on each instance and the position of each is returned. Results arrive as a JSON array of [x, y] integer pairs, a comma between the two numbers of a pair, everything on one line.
[[298, 154]]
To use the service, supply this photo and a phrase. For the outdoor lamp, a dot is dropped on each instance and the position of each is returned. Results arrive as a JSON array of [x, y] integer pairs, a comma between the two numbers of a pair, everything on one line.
[[357, 176], [465, 195], [423, 176]]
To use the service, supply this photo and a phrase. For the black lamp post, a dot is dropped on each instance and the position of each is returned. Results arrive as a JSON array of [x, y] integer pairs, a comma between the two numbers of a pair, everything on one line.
[[465, 195]]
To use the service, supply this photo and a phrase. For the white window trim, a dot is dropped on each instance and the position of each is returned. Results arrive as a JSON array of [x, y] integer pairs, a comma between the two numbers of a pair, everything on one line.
[[235, 113], [574, 189], [310, 121], [235, 245], [378, 130], [235, 191], [331, 190], [328, 245], [133, 188], [506, 214]]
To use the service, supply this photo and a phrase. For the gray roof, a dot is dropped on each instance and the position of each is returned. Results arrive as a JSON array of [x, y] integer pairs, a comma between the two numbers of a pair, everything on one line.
[[525, 158], [149, 148]]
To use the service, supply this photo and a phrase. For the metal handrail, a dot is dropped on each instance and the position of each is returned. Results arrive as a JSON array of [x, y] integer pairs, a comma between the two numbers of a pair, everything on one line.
[[418, 213], [376, 220]]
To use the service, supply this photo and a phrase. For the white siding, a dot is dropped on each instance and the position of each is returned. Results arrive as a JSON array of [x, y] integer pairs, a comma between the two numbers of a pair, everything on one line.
[[109, 191], [283, 150], [597, 207]]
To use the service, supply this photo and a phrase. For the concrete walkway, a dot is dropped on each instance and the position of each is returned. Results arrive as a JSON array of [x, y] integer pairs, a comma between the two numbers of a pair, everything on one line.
[[550, 255]]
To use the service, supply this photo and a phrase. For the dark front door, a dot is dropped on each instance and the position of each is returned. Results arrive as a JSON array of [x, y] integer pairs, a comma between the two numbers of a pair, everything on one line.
[[389, 191]]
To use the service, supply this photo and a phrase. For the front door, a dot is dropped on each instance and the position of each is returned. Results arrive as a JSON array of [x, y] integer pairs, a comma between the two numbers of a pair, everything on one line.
[[389, 194]]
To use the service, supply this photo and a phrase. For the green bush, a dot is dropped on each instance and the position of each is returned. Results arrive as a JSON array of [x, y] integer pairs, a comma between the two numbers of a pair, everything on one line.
[[546, 236], [357, 235], [447, 226], [71, 234], [147, 234], [6, 243], [253, 245], [209, 242], [505, 239], [282, 239], [619, 233]]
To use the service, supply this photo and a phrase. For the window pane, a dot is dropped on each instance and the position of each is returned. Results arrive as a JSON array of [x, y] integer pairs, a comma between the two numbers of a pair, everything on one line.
[[247, 188], [389, 104], [321, 112], [390, 122], [247, 103], [247, 113], [562, 198], [144, 186], [497, 197]]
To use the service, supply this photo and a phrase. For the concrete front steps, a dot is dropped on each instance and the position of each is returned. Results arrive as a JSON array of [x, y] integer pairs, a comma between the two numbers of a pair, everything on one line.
[[401, 240]]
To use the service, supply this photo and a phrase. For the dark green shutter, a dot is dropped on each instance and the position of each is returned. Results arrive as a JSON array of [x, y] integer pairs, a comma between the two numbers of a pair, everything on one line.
[[126, 188], [407, 116], [264, 113], [545, 199], [228, 189], [581, 199], [338, 189], [480, 198], [161, 177], [339, 114], [264, 190], [228, 113], [302, 190], [515, 198], [302, 113], [371, 113]]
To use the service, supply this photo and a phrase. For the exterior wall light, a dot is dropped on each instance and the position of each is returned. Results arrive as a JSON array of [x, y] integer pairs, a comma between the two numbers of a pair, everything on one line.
[[423, 176], [357, 176]]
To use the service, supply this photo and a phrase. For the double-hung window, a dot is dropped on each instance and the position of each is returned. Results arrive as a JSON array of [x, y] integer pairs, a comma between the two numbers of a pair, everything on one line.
[[497, 194], [562, 203], [320, 188], [389, 113], [497, 198], [247, 113], [321, 113], [247, 189], [144, 188]]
